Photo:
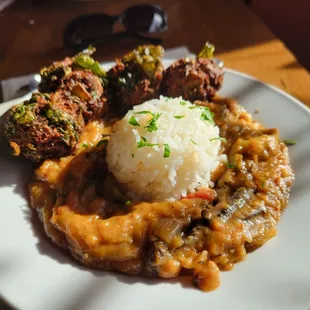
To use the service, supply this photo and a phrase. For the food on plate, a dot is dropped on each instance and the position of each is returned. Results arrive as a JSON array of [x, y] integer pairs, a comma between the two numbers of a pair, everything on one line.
[[83, 77], [136, 77], [193, 79], [47, 125], [159, 187]]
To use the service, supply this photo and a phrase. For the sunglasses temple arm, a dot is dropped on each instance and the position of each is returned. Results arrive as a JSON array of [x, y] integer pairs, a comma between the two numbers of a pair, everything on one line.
[[121, 35], [152, 40]]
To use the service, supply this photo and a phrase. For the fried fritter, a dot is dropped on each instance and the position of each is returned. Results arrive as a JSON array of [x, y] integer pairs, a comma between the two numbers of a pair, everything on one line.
[[88, 87], [83, 77], [47, 125], [135, 78], [193, 79]]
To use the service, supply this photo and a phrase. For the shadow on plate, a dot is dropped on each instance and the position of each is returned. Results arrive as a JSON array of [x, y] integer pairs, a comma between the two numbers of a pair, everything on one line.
[[17, 172]]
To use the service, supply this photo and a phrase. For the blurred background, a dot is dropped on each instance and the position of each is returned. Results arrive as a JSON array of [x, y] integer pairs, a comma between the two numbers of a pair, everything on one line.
[[267, 39]]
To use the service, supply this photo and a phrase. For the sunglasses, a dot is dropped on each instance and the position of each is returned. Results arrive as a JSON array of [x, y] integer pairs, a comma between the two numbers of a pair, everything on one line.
[[97, 28]]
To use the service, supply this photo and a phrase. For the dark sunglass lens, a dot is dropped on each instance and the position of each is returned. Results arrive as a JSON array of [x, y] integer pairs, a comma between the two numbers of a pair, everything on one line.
[[87, 28], [144, 18]]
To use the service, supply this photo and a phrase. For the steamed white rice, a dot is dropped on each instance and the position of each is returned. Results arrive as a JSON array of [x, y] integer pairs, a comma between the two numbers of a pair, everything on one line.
[[144, 172]]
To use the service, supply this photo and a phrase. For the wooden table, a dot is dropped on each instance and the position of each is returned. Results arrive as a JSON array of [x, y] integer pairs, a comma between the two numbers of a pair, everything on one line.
[[31, 37]]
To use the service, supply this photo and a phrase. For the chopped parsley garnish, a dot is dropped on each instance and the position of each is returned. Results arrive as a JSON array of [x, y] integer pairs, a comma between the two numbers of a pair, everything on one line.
[[230, 165], [194, 142], [290, 142], [128, 202], [85, 144], [207, 115], [132, 121], [183, 102], [219, 138], [132, 155], [101, 142], [178, 116], [143, 142], [263, 184], [166, 150], [151, 124], [143, 112]]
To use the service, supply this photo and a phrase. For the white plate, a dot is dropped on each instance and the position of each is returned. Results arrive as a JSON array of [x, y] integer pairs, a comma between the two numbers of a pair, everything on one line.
[[35, 275]]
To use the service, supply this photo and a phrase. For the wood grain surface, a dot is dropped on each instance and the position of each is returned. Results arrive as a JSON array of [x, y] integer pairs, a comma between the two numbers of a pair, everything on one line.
[[31, 37]]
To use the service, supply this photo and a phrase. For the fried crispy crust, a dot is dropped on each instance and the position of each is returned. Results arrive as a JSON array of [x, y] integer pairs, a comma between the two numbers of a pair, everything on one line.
[[45, 126], [135, 78], [192, 79]]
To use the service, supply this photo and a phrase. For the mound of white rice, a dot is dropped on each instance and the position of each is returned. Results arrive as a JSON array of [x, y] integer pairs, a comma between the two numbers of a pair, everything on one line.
[[164, 149]]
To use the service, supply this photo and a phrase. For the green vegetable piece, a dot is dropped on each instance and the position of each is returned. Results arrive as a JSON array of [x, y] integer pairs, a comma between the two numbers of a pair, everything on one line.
[[166, 150], [84, 60], [143, 142], [207, 51], [132, 121], [101, 142], [230, 165], [149, 57], [23, 114], [151, 124], [178, 116], [128, 202], [219, 138], [121, 81], [207, 115], [183, 103], [98, 70], [194, 142], [132, 155], [143, 112], [290, 142], [85, 144]]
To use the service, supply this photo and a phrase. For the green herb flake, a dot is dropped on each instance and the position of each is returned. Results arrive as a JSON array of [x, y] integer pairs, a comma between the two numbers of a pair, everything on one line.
[[194, 107], [151, 124], [128, 202], [23, 114], [207, 115], [290, 142], [194, 142], [132, 121], [143, 112], [178, 116], [143, 142], [219, 138], [101, 142], [166, 150], [230, 165], [183, 103], [263, 184], [132, 155], [85, 144]]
